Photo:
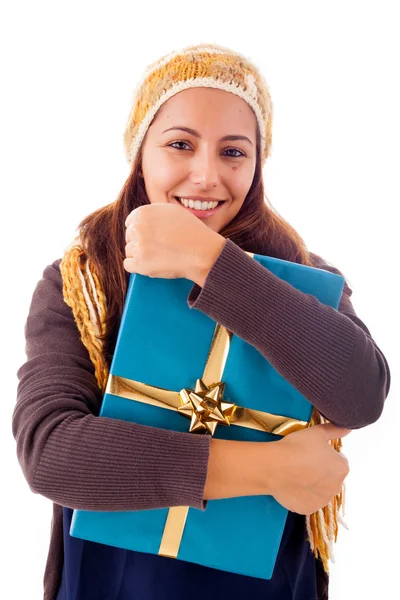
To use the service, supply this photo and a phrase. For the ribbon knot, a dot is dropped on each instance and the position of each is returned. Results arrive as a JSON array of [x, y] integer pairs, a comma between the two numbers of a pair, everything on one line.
[[205, 407]]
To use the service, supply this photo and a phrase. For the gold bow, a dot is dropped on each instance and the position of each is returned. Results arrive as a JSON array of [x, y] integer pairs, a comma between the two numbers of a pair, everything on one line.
[[206, 408]]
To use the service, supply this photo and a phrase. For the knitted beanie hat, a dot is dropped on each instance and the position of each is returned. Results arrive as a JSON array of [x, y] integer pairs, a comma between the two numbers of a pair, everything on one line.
[[206, 65]]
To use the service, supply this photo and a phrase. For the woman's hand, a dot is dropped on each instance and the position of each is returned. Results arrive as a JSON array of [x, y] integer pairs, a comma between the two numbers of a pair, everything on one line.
[[304, 471], [165, 240]]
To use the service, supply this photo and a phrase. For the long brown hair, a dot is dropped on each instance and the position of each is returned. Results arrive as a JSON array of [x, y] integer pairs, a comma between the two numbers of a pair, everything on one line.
[[256, 228]]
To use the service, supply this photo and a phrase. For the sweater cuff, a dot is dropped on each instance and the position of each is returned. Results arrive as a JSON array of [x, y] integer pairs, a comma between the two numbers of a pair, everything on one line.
[[228, 260]]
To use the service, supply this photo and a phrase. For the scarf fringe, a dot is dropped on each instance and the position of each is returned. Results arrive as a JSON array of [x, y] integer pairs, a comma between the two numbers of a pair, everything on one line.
[[323, 525], [83, 293]]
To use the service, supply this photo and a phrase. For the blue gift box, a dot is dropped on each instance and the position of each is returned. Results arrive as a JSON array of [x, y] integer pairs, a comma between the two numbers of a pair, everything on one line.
[[164, 343]]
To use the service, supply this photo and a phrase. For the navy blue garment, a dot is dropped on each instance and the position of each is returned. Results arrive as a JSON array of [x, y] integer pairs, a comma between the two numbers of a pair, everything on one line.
[[95, 571]]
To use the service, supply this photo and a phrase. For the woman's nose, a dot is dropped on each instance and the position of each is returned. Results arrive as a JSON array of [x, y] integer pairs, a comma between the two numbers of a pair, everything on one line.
[[205, 168]]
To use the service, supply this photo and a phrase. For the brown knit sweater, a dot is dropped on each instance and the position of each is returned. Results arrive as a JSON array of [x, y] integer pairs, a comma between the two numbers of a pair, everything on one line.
[[79, 460]]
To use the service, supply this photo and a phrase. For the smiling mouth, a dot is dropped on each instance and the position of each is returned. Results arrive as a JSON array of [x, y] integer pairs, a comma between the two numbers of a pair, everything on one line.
[[199, 212]]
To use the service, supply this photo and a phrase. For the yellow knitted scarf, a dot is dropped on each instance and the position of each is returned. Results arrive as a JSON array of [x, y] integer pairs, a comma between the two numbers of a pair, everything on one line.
[[82, 291]]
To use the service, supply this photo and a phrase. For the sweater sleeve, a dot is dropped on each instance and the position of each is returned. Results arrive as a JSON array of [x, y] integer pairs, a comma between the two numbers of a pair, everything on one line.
[[71, 455], [328, 355]]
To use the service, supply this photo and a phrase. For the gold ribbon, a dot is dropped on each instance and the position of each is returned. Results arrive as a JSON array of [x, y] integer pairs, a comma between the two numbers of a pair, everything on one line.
[[206, 408]]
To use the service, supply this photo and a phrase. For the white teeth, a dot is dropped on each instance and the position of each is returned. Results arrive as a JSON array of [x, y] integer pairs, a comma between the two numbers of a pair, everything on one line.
[[197, 204]]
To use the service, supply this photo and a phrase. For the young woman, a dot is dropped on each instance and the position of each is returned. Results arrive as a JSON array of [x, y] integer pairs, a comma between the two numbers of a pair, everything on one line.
[[197, 137]]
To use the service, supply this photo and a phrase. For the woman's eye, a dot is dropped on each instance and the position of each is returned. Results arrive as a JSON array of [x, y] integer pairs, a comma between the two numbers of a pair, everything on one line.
[[235, 150], [173, 145]]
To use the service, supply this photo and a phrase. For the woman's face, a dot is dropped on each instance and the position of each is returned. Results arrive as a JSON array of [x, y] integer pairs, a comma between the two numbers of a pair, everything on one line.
[[185, 155]]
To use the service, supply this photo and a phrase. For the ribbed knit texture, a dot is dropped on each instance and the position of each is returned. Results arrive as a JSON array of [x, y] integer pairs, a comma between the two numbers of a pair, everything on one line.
[[328, 356], [79, 460]]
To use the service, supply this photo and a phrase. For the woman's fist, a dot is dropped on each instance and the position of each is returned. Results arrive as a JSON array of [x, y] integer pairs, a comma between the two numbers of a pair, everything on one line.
[[305, 472], [165, 240]]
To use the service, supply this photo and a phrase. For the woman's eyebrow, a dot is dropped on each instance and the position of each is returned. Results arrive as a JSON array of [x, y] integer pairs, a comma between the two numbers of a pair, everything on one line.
[[226, 138]]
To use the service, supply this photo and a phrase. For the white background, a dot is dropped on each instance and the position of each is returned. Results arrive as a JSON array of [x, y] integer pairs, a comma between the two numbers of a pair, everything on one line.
[[68, 73]]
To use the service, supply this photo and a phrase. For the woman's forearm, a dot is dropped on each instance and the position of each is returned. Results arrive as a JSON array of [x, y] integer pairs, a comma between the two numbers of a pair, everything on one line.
[[235, 469], [302, 470]]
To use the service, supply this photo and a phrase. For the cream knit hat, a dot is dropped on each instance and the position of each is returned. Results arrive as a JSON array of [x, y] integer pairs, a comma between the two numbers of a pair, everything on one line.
[[206, 65]]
